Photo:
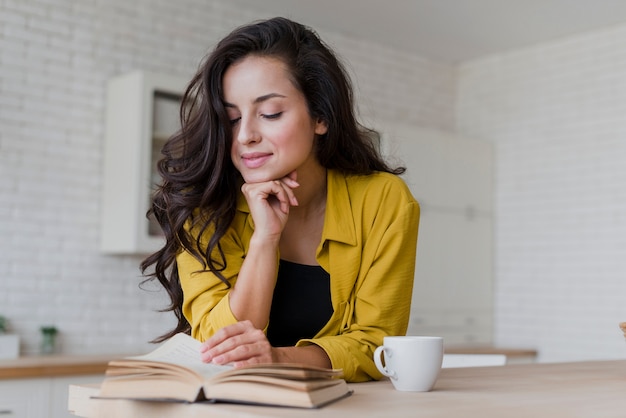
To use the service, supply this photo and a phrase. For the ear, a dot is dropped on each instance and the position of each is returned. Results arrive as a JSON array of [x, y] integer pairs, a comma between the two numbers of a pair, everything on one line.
[[321, 127]]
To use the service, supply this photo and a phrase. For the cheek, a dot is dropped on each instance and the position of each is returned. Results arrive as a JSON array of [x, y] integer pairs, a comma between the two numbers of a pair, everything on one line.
[[234, 155], [297, 135]]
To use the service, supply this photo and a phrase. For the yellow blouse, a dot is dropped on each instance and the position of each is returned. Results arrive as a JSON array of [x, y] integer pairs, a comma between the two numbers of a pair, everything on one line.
[[368, 248]]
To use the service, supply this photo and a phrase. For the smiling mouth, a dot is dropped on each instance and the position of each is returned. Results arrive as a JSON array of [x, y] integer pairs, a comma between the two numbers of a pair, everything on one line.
[[255, 160]]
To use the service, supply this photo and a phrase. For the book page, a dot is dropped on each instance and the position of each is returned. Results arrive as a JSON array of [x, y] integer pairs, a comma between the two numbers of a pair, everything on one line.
[[287, 371], [184, 351]]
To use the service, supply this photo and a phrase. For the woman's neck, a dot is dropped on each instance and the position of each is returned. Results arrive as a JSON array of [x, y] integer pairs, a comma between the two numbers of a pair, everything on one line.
[[311, 194], [303, 231]]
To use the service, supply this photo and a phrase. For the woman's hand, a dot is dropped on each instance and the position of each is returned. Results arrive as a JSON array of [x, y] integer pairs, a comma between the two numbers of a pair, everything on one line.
[[269, 204], [239, 344]]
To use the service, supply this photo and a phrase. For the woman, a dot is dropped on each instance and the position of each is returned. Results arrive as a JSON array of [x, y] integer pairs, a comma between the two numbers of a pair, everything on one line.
[[288, 238]]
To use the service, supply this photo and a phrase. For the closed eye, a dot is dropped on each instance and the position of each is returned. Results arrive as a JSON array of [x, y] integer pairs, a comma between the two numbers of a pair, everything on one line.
[[272, 116], [234, 121]]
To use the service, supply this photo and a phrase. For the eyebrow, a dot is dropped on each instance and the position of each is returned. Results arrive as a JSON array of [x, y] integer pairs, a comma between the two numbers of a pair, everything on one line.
[[259, 99]]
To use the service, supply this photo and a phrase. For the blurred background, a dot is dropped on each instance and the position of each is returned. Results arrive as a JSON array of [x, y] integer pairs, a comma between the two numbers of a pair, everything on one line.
[[509, 115]]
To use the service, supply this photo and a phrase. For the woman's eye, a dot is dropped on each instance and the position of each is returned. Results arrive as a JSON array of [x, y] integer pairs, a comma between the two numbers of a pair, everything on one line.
[[273, 115], [235, 120]]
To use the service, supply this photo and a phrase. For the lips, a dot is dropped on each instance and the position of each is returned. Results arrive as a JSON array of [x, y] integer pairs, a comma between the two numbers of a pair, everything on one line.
[[255, 159]]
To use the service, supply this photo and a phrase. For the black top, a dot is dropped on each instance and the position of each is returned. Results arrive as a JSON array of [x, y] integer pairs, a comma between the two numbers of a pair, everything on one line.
[[301, 305]]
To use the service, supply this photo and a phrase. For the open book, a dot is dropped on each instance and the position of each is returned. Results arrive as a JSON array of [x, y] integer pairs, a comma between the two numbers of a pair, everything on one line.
[[175, 372]]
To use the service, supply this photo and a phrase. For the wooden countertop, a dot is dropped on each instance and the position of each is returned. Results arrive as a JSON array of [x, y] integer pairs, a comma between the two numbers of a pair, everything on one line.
[[480, 349], [55, 365], [68, 365]]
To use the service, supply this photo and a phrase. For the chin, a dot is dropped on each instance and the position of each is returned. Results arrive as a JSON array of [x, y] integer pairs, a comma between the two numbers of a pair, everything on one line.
[[261, 176], [256, 178]]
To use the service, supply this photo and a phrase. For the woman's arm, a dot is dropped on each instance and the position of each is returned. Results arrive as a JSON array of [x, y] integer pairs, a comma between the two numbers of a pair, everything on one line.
[[269, 203], [209, 304], [251, 296], [242, 343]]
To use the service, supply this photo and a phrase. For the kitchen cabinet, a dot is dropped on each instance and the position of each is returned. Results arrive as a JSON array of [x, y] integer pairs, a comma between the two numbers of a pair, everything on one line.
[[142, 111], [24, 398], [39, 397], [452, 178]]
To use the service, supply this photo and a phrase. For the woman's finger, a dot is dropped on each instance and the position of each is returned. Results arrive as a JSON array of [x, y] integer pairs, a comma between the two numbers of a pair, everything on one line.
[[276, 189], [246, 351], [285, 196], [230, 338]]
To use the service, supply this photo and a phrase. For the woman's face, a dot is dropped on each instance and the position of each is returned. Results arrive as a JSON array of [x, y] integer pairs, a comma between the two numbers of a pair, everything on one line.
[[273, 132]]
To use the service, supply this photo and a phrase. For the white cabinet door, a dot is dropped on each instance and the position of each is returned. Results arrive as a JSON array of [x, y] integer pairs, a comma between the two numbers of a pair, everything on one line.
[[443, 169], [452, 178], [24, 398]]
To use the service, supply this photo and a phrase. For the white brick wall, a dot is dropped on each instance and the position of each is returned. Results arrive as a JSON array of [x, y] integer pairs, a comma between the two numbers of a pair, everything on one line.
[[557, 115], [55, 57]]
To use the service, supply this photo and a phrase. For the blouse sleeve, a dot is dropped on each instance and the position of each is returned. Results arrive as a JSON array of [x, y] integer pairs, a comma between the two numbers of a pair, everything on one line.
[[205, 296]]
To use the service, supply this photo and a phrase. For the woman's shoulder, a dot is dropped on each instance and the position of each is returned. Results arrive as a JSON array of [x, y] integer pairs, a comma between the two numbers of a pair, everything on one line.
[[377, 184]]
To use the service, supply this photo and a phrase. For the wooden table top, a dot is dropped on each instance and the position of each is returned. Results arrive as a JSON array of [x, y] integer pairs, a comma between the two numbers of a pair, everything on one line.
[[593, 389], [55, 365], [510, 353]]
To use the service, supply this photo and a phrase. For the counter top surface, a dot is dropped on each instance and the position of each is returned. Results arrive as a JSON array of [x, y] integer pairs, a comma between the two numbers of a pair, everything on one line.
[[82, 364], [485, 349], [580, 389], [55, 365]]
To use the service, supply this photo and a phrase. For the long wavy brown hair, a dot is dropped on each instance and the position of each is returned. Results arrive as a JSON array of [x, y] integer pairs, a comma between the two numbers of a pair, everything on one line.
[[200, 184]]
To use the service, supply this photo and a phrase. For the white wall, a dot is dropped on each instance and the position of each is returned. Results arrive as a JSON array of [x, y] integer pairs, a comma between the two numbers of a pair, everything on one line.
[[55, 58], [556, 113]]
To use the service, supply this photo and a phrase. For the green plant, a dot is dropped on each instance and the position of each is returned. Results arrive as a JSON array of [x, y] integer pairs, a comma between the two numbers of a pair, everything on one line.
[[48, 344], [3, 325], [49, 330]]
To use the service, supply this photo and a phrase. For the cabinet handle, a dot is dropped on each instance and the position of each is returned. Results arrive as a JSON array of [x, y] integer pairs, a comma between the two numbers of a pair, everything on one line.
[[6, 412]]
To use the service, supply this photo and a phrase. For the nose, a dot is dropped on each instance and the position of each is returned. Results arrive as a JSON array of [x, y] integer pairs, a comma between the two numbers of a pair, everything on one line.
[[246, 131]]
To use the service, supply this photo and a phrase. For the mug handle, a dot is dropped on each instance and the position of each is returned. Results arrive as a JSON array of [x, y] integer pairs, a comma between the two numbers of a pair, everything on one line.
[[379, 364]]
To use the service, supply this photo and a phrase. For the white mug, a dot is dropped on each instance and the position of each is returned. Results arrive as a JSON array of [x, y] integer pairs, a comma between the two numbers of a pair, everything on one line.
[[412, 363]]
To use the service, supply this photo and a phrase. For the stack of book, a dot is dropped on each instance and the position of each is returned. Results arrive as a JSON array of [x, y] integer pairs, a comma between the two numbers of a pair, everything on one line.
[[174, 372]]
